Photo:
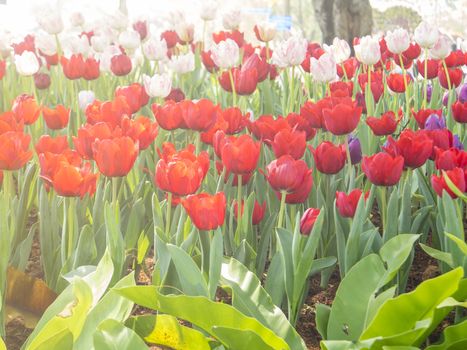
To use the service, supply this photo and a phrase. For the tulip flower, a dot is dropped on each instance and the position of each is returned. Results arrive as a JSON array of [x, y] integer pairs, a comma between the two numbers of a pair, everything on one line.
[[286, 174], [291, 142], [245, 80], [432, 68], [339, 50], [290, 52], [385, 125], [141, 129], [235, 35], [57, 118], [55, 145], [368, 51], [159, 85], [347, 203], [260, 64], [41, 81], [169, 116], [300, 123], [181, 173], [347, 68], [49, 18], [73, 67], [27, 63], [442, 48], [258, 211], [324, 68], [240, 155], [171, 38], [155, 49], [355, 149], [422, 115], [308, 220], [313, 112], [129, 40], [343, 117], [225, 54], [397, 82], [208, 62], [459, 111], [266, 127], [397, 40], [426, 34], [452, 79], [435, 122], [382, 169], [200, 115], [72, 181], [8, 122], [442, 138], [91, 69], [26, 109], [185, 31], [265, 31], [120, 65], [301, 193], [450, 159], [329, 158], [457, 177], [142, 28], [183, 63], [415, 147], [208, 10], [412, 52], [115, 157], [175, 95], [235, 120], [207, 212], [14, 153], [134, 95]]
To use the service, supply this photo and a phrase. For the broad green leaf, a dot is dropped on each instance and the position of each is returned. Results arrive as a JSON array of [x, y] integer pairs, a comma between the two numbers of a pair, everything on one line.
[[322, 319], [452, 302], [438, 254], [240, 339], [350, 307], [113, 335], [249, 297], [201, 312], [275, 284], [460, 243], [400, 347], [215, 262], [167, 331], [398, 316], [454, 338], [2, 344], [394, 253], [376, 302], [62, 340]]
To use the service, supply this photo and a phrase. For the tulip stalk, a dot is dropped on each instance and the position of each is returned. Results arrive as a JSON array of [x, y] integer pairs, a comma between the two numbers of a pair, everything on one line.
[[369, 92], [239, 202], [234, 93], [291, 97], [281, 209], [205, 242], [407, 97], [425, 80], [383, 190], [168, 213]]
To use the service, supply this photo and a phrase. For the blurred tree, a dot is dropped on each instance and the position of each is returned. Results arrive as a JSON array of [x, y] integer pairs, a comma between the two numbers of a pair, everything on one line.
[[345, 19], [396, 16]]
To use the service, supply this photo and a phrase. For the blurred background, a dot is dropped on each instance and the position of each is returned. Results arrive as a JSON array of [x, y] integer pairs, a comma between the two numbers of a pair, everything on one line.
[[319, 20]]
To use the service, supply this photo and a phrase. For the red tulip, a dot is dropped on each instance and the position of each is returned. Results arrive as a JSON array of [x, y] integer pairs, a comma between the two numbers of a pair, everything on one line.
[[442, 138], [240, 155], [412, 52], [72, 181], [175, 95], [236, 121], [422, 115], [396, 82], [341, 88], [245, 80], [87, 135], [171, 38], [234, 35], [51, 162], [308, 220], [266, 127], [135, 96], [26, 109], [55, 145], [313, 112], [300, 194], [207, 136], [73, 67], [141, 129], [382, 169], [169, 116], [347, 203], [41, 81], [455, 77], [110, 112], [456, 175], [289, 142], [207, 212], [350, 65], [258, 211], [415, 147], [120, 65], [386, 125], [450, 159], [459, 112], [14, 153], [300, 123], [181, 173], [245, 177], [343, 118], [329, 158], [287, 174], [115, 157], [200, 115], [431, 68], [261, 66], [91, 69], [208, 62], [8, 122], [142, 28], [57, 118]]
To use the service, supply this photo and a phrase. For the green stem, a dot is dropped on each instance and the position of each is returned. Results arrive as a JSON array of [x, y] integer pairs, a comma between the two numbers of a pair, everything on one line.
[[383, 208], [71, 224], [232, 84], [282, 209], [204, 239], [448, 78], [291, 97], [369, 92], [425, 79], [167, 215], [239, 202], [349, 159]]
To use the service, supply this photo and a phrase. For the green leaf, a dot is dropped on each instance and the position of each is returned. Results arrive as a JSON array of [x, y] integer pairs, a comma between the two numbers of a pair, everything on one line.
[[409, 318], [352, 301], [454, 338], [459, 242], [250, 298], [322, 319], [215, 262], [240, 339], [167, 331], [112, 335], [395, 252], [201, 312], [2, 344], [438, 254]]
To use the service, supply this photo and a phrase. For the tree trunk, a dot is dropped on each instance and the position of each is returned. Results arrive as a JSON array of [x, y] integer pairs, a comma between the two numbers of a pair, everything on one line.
[[345, 19]]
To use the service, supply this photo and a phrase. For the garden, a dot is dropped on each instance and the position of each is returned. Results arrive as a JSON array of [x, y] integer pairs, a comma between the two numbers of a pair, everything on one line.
[[182, 187]]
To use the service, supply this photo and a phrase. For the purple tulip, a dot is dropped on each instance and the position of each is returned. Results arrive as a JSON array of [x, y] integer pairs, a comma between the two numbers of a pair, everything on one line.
[[446, 98], [355, 149], [429, 91], [457, 143], [463, 94], [435, 122]]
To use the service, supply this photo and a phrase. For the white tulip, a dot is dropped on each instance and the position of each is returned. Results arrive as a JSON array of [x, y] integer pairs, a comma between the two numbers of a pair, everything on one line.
[[183, 63], [75, 44], [159, 85], [442, 48], [85, 98], [265, 31], [118, 20], [46, 44], [129, 39], [185, 31], [290, 52], [225, 54], [155, 49], [324, 68], [231, 20], [26, 63], [368, 51], [106, 56], [99, 42], [5, 44], [397, 41], [426, 35], [339, 49], [77, 19], [49, 19], [208, 10]]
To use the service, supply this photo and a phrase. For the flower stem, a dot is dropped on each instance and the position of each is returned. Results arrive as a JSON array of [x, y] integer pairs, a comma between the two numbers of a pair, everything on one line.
[[291, 97], [232, 84], [425, 80], [167, 215], [282, 209], [239, 202]]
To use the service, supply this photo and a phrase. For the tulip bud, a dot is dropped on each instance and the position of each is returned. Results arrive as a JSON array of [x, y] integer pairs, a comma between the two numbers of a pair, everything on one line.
[[142, 28], [159, 85], [324, 68], [463, 94], [397, 41], [426, 35], [85, 97], [355, 149], [121, 65], [26, 63], [129, 40], [308, 220], [368, 51], [442, 48], [225, 54], [155, 49], [42, 81], [265, 31], [435, 122]]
